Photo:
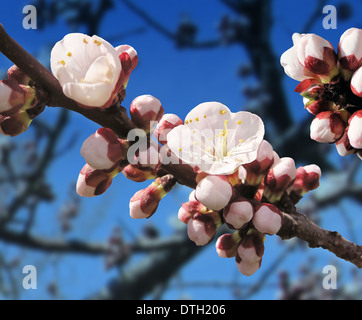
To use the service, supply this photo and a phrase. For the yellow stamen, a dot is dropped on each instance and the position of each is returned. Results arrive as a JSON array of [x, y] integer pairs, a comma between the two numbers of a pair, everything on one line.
[[69, 54], [179, 149], [241, 140], [85, 40], [97, 42], [62, 62], [222, 112], [205, 116], [187, 121], [197, 119], [239, 122]]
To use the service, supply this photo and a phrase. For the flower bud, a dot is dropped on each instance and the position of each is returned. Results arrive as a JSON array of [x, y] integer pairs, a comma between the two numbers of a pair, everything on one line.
[[188, 209], [103, 149], [214, 192], [144, 203], [238, 213], [129, 60], [350, 51], [18, 75], [147, 156], [355, 130], [165, 125], [343, 145], [318, 56], [257, 169], [356, 83], [15, 124], [267, 218], [307, 179], [135, 174], [317, 106], [227, 245], [144, 110], [279, 177], [250, 252], [201, 228], [93, 182], [328, 126]]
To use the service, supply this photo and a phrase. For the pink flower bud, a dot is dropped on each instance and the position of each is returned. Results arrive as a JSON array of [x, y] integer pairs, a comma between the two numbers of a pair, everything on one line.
[[144, 203], [190, 208], [129, 60], [238, 213], [328, 127], [257, 169], [166, 124], [250, 252], [267, 218], [317, 55], [355, 130], [15, 124], [201, 228], [307, 179], [135, 174], [103, 150], [317, 106], [13, 96], [227, 245], [278, 179], [144, 110], [214, 192], [343, 145], [18, 75], [92, 182], [148, 156], [356, 83], [350, 49]]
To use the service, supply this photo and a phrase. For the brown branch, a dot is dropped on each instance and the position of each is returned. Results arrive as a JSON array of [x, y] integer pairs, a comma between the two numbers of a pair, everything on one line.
[[298, 225]]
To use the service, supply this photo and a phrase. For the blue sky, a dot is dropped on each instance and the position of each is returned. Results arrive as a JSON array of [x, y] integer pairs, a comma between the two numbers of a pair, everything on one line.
[[181, 79]]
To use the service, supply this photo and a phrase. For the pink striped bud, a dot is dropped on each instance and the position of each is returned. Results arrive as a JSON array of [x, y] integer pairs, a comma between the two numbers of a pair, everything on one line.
[[93, 182], [144, 110], [267, 218], [136, 174], [103, 149], [350, 51], [227, 245], [250, 252], [257, 169], [355, 130], [328, 126], [307, 179], [201, 228], [214, 192], [144, 203], [189, 209], [129, 60], [165, 125], [238, 213], [343, 145], [356, 83], [278, 179]]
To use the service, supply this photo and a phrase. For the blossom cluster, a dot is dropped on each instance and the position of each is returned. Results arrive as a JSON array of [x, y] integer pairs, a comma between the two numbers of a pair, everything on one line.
[[331, 87]]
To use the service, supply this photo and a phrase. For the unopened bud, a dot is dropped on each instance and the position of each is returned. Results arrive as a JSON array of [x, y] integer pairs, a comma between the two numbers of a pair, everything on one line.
[[214, 192], [328, 126], [343, 145], [355, 130], [103, 149], [278, 179], [188, 209], [356, 83], [145, 202], [227, 245], [257, 169], [250, 252], [267, 218], [165, 125], [15, 124], [201, 228], [144, 110], [307, 179], [238, 213], [136, 174], [93, 182], [129, 60]]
